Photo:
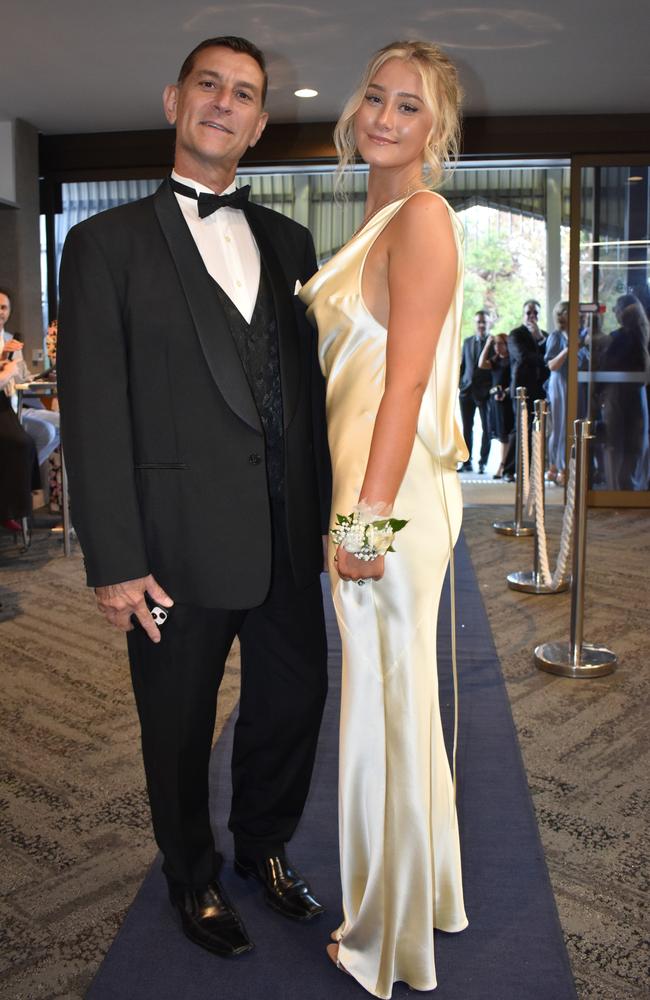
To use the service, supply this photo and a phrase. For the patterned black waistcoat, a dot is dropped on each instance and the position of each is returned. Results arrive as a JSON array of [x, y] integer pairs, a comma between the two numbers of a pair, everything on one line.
[[257, 344]]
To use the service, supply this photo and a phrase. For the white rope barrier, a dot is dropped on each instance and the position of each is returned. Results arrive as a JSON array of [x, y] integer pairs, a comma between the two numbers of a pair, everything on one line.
[[535, 504]]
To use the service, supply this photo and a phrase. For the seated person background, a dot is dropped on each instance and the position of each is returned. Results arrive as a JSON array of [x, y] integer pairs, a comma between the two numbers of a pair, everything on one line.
[[18, 468], [41, 424]]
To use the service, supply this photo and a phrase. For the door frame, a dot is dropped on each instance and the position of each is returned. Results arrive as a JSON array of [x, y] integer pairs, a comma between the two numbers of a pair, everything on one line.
[[595, 498]]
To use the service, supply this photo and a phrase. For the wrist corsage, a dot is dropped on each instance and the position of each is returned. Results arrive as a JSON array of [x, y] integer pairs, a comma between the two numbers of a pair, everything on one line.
[[364, 534]]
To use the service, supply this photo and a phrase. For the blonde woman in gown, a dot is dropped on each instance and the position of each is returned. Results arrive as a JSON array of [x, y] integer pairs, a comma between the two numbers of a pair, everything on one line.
[[388, 310]]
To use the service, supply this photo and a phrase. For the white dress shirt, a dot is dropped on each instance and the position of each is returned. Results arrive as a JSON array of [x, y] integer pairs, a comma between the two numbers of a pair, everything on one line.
[[226, 244]]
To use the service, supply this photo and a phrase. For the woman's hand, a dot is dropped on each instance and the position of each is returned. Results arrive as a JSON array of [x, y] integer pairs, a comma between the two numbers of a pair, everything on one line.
[[351, 568]]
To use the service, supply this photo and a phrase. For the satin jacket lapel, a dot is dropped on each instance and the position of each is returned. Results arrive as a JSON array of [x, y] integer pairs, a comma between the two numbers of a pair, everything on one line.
[[209, 318], [285, 314]]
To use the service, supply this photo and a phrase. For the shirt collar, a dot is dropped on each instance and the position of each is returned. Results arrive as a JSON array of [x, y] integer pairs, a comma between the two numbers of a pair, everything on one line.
[[200, 187]]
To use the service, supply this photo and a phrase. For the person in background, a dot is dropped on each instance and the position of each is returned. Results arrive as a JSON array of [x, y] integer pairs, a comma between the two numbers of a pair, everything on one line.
[[474, 390], [42, 425], [526, 346], [592, 346], [50, 341], [626, 403], [555, 358], [495, 358], [18, 469]]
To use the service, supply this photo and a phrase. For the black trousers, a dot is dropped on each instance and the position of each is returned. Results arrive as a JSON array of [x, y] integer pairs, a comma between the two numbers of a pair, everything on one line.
[[18, 465], [283, 689], [468, 407]]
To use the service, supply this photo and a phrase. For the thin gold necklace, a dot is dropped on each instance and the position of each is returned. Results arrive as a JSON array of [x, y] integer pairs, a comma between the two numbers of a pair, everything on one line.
[[404, 194]]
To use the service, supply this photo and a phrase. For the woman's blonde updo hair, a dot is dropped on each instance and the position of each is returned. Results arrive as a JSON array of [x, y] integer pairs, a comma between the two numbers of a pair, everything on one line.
[[442, 95]]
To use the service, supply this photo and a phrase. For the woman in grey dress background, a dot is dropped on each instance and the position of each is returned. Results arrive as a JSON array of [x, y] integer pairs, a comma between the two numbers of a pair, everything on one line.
[[555, 358]]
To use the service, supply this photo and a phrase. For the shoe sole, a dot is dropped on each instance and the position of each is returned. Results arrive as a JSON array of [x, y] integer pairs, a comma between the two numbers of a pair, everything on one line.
[[270, 901]]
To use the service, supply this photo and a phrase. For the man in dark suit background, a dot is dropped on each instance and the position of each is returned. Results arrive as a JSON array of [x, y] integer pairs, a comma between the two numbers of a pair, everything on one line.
[[193, 424], [474, 390], [526, 347]]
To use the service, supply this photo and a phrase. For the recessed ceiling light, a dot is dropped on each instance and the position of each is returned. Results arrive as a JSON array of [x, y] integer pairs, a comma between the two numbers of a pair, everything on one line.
[[306, 92]]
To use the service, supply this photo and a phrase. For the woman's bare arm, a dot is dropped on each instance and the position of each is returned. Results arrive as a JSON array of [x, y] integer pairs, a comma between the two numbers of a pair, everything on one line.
[[484, 361], [422, 269], [554, 364], [422, 265]]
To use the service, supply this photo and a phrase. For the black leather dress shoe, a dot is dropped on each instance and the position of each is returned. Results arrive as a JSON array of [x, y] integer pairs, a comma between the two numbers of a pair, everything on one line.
[[285, 890], [209, 919]]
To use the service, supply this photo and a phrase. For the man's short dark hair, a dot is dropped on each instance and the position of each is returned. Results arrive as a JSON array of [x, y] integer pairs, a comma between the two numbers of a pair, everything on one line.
[[532, 302], [236, 44], [482, 312]]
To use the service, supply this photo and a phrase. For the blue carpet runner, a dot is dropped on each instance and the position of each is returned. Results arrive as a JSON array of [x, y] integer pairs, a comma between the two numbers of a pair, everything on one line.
[[513, 948]]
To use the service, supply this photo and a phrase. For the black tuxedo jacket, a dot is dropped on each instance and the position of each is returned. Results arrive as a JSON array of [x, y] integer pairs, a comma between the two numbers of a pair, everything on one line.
[[475, 382], [527, 365], [163, 442]]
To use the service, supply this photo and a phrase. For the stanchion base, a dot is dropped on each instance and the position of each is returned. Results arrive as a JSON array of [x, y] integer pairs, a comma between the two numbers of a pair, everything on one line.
[[523, 530], [532, 583], [556, 658]]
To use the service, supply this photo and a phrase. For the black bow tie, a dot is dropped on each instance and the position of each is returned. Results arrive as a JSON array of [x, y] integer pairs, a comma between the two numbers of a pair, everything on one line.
[[209, 203]]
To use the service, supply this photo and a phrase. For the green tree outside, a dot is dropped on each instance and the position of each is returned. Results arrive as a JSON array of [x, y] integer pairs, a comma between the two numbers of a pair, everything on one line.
[[501, 272]]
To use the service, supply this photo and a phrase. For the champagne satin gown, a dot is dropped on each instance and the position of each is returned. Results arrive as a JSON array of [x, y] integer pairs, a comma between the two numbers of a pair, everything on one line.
[[399, 845]]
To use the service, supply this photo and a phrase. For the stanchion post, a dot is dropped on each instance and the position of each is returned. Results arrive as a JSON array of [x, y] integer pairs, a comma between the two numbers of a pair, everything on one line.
[[533, 583], [582, 437], [577, 658], [518, 528]]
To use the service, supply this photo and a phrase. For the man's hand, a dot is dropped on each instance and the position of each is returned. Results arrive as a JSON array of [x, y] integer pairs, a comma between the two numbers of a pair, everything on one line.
[[12, 345], [119, 601], [534, 328]]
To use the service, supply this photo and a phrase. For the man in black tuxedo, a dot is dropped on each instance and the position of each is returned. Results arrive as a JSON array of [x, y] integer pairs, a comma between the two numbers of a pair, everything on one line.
[[474, 391], [193, 425], [526, 347]]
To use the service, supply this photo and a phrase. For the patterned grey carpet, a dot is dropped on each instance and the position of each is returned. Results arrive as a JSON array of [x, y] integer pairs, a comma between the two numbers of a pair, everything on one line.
[[74, 821], [74, 827], [584, 742]]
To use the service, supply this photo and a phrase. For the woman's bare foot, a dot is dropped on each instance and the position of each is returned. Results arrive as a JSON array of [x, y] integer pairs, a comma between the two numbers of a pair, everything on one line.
[[333, 952]]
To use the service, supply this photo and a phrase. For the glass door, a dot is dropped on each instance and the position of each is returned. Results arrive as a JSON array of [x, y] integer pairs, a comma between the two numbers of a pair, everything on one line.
[[609, 330]]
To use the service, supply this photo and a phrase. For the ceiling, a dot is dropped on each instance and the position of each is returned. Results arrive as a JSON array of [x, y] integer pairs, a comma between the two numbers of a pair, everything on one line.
[[94, 65]]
